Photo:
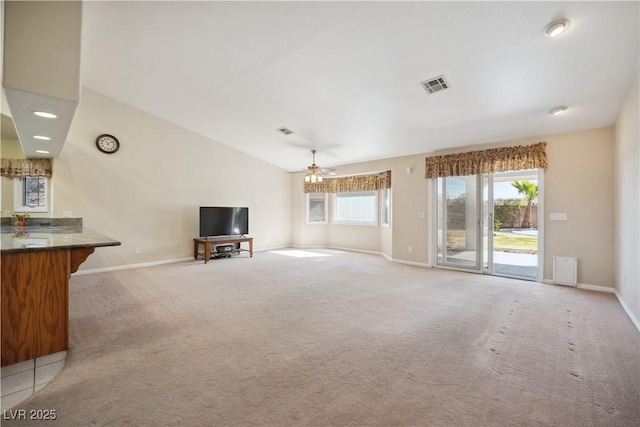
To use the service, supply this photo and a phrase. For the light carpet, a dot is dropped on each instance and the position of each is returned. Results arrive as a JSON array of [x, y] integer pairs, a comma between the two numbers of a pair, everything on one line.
[[341, 339]]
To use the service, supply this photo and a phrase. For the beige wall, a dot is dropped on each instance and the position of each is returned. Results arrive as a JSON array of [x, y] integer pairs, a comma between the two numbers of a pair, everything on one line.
[[627, 193], [147, 194], [404, 215], [10, 149], [303, 234], [578, 181]]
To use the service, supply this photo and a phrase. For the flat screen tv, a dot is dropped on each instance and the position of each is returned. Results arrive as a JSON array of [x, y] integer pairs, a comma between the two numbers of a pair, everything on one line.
[[223, 221]]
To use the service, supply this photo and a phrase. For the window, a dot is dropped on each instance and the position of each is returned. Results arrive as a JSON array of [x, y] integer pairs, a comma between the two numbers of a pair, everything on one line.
[[316, 208], [31, 194], [386, 207], [356, 208]]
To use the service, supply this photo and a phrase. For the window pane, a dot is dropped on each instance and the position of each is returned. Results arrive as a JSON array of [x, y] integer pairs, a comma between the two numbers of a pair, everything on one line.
[[316, 207], [360, 206], [457, 222], [34, 192], [386, 206]]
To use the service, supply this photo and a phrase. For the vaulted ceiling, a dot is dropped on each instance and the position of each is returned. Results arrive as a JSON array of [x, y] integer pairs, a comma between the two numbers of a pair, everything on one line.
[[345, 76]]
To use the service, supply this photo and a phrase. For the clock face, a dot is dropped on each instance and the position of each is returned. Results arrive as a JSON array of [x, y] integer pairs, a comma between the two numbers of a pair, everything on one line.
[[107, 143]]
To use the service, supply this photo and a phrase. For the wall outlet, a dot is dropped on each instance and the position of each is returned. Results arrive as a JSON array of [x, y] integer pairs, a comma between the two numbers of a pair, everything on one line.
[[136, 251], [410, 248], [7, 213], [67, 214], [421, 215]]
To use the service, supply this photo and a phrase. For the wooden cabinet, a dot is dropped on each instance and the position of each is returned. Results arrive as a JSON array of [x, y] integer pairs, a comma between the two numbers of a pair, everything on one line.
[[35, 302], [35, 286]]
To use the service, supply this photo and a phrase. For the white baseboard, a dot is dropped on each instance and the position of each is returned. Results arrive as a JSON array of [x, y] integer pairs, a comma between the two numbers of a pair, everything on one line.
[[275, 248], [339, 248], [152, 263], [130, 266], [415, 263], [608, 290], [627, 310], [402, 261], [582, 286], [362, 251]]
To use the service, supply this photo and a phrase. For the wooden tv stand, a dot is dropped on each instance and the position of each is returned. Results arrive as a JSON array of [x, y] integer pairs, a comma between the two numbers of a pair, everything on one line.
[[208, 242]]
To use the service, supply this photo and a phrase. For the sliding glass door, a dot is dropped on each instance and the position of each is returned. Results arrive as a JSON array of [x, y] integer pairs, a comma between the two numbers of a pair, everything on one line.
[[511, 224], [458, 243], [490, 223]]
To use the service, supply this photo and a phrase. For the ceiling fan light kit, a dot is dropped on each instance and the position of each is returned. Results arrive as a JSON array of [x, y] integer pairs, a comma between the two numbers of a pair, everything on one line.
[[314, 172]]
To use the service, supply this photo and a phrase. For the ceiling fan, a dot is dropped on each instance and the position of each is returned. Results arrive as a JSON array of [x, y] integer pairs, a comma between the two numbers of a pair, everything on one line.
[[315, 172]]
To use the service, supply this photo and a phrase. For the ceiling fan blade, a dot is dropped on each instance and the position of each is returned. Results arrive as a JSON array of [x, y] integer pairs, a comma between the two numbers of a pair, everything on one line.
[[329, 171], [325, 171], [314, 167]]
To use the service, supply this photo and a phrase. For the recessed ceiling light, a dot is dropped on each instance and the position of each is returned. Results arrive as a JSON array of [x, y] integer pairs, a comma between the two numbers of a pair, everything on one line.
[[42, 152], [557, 27], [45, 114], [44, 138], [558, 110]]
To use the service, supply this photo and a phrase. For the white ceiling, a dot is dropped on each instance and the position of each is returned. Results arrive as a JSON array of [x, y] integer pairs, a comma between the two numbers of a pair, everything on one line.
[[345, 76]]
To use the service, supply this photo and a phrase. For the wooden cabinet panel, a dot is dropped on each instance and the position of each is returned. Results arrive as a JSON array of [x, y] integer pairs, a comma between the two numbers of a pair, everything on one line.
[[52, 313], [18, 312], [35, 304]]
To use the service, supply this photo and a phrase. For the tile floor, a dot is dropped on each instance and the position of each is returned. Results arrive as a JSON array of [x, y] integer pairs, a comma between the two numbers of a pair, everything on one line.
[[21, 380]]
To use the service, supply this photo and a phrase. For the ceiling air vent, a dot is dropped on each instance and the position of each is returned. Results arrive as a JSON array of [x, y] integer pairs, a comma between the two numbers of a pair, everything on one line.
[[435, 84], [285, 131]]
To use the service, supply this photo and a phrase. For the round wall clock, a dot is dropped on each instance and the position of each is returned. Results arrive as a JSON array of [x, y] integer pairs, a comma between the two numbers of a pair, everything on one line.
[[107, 143]]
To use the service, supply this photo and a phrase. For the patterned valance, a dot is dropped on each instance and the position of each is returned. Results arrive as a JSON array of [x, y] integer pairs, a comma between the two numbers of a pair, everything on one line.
[[17, 168], [346, 184], [487, 161]]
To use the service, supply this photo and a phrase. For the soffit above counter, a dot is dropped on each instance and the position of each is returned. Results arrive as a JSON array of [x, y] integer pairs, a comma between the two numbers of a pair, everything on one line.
[[41, 71]]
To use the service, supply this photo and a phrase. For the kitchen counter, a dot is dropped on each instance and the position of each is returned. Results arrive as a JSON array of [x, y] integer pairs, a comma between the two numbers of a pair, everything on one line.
[[37, 238], [36, 264]]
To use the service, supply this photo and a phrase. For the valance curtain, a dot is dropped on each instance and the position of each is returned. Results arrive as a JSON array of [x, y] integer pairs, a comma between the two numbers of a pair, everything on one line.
[[18, 168], [487, 161], [347, 184]]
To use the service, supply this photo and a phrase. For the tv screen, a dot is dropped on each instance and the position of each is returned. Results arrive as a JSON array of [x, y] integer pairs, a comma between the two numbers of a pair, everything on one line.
[[223, 221]]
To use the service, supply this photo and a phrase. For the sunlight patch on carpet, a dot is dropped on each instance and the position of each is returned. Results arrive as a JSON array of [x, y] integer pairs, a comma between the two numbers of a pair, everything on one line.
[[296, 253]]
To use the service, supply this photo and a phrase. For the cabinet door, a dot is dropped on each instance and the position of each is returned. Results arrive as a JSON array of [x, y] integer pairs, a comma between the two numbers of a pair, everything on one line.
[[35, 304]]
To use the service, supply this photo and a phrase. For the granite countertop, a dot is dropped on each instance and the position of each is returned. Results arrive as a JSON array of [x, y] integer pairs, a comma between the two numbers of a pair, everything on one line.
[[39, 238]]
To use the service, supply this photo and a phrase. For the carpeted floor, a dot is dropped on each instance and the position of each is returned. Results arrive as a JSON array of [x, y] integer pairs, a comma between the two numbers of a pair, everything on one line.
[[341, 339]]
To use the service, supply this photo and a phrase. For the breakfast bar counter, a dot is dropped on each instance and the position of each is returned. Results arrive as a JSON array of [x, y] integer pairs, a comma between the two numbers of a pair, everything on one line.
[[30, 239], [36, 264]]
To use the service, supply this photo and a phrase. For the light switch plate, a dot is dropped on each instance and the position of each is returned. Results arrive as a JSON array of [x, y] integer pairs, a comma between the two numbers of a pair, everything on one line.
[[558, 216]]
